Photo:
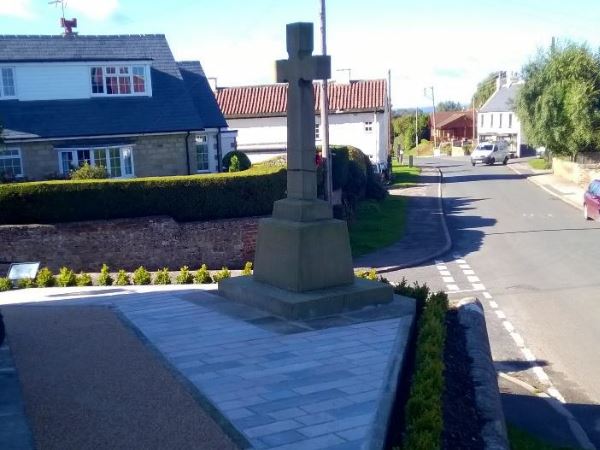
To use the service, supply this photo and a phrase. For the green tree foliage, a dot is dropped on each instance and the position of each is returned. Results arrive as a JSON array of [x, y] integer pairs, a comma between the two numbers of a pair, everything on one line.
[[202, 275], [66, 277], [234, 164], [485, 89], [559, 104], [185, 276], [141, 276], [242, 158], [449, 105], [404, 130], [105, 279], [123, 278]]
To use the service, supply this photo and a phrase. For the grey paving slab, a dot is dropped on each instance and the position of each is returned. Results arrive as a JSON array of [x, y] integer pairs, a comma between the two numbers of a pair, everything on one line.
[[281, 384]]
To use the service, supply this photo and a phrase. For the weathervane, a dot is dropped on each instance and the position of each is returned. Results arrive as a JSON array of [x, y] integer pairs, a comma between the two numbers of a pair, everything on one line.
[[68, 25]]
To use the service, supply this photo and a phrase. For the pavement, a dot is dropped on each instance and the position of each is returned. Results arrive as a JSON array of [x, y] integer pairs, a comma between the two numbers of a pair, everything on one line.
[[95, 355], [425, 235]]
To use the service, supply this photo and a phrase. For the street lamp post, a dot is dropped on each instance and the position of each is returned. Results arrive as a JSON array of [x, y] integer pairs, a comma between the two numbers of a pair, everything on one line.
[[325, 115]]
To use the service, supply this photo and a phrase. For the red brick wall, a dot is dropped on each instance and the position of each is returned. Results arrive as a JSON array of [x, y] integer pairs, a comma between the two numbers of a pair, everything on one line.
[[153, 242]]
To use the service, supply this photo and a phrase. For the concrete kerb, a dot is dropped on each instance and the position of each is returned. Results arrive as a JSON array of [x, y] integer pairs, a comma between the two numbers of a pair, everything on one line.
[[447, 245], [541, 185], [483, 373]]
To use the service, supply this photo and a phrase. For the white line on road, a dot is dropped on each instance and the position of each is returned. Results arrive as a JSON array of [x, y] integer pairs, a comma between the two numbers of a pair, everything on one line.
[[441, 267], [448, 279], [518, 339], [529, 356], [464, 266], [445, 273], [487, 295], [493, 304], [468, 272], [460, 261], [473, 279], [509, 326], [500, 315], [478, 287], [452, 287]]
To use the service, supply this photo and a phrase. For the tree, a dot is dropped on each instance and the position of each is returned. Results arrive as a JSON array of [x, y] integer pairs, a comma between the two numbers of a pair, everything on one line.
[[449, 105], [485, 89], [559, 104], [404, 130]]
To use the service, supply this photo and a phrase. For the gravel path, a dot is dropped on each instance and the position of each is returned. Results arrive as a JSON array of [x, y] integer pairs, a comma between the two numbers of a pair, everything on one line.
[[89, 383]]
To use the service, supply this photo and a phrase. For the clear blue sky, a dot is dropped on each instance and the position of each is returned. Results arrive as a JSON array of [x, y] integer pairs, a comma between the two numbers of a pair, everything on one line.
[[450, 45]]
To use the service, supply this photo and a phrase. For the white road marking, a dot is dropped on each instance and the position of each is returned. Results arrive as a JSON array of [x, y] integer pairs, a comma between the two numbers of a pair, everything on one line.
[[518, 339], [493, 304], [445, 273], [509, 326], [452, 287], [500, 315], [464, 266], [448, 279], [468, 272], [527, 354], [441, 267], [487, 295], [554, 393], [541, 375], [437, 261], [473, 279], [460, 261], [478, 287]]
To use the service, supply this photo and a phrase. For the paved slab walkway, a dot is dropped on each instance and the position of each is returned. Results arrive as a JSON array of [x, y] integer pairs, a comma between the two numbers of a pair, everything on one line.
[[316, 384]]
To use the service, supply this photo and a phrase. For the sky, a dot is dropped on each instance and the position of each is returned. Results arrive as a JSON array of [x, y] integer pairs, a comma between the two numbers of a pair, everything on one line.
[[450, 45]]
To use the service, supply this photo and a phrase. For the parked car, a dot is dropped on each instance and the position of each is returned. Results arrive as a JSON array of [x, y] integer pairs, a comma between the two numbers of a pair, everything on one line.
[[490, 153], [591, 201]]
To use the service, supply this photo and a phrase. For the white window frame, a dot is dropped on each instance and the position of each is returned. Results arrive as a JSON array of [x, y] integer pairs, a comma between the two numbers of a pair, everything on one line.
[[368, 124], [510, 120], [106, 148], [207, 146], [14, 77], [147, 84], [20, 155], [500, 120]]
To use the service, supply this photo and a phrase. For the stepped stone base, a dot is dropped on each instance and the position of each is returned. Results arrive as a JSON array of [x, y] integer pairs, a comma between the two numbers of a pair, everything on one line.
[[308, 304]]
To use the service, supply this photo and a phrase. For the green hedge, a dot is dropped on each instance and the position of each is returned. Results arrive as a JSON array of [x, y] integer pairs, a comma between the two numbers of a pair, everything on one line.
[[185, 198]]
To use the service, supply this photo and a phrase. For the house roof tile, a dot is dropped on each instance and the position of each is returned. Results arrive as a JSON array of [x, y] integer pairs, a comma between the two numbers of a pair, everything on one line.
[[271, 100]]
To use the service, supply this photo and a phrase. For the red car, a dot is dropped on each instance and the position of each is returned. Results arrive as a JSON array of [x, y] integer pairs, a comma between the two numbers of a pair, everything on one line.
[[591, 201]]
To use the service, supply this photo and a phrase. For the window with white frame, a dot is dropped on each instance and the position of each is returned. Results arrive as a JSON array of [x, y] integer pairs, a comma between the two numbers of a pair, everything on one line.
[[7, 83], [368, 127], [117, 160], [500, 120], [118, 80], [202, 153], [10, 163], [509, 120], [317, 131]]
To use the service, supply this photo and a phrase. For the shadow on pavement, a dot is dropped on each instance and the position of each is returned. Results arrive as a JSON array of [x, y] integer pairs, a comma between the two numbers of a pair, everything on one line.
[[518, 366]]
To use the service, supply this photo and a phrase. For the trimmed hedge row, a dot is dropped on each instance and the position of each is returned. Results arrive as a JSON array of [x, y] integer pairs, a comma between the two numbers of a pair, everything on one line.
[[184, 198]]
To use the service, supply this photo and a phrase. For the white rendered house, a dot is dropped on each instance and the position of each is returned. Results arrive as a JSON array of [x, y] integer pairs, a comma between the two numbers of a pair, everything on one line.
[[359, 116], [497, 119]]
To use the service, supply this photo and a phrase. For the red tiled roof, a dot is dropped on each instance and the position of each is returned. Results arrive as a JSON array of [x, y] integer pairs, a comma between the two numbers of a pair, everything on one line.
[[271, 100], [444, 118]]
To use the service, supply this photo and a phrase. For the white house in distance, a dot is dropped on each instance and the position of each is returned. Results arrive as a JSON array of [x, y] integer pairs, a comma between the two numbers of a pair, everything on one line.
[[497, 119], [359, 116]]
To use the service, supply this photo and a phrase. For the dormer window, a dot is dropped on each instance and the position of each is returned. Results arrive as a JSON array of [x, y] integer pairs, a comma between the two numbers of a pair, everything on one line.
[[118, 80], [7, 83]]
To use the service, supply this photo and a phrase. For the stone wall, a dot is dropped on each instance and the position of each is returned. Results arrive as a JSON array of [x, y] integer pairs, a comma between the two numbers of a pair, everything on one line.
[[580, 174], [153, 242]]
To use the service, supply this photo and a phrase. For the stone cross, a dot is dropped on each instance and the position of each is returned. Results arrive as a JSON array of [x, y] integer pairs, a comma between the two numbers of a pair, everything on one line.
[[299, 71]]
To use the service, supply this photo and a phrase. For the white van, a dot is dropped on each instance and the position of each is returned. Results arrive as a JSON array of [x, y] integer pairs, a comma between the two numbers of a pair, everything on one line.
[[491, 152]]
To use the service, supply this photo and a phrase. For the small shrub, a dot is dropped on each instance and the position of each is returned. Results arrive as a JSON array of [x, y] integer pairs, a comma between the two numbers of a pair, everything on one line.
[[202, 275], [162, 276], [141, 276], [25, 283], [247, 269], [221, 274], [105, 279], [370, 274], [419, 292], [5, 284], [234, 164], [66, 277], [243, 160], [45, 278], [184, 276], [87, 172], [123, 278], [84, 279]]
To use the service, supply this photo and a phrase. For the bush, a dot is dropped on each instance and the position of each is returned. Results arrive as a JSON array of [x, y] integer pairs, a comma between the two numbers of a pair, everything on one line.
[[84, 279], [247, 269], [424, 420], [234, 164], [243, 161], [66, 277], [370, 274], [25, 283], [419, 292], [184, 198], [162, 276], [45, 278], [5, 284], [105, 279], [141, 276], [202, 275], [123, 278], [184, 276], [221, 274], [87, 172]]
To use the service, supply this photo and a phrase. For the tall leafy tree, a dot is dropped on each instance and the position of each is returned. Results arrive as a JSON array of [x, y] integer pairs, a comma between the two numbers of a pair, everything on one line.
[[449, 105], [404, 129], [559, 105], [485, 89]]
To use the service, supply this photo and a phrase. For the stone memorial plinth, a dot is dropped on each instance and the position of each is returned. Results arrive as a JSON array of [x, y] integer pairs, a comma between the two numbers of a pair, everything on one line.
[[303, 264]]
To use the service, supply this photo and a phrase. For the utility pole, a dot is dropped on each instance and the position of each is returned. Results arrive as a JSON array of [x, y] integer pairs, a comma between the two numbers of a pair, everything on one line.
[[433, 115], [325, 114], [416, 126]]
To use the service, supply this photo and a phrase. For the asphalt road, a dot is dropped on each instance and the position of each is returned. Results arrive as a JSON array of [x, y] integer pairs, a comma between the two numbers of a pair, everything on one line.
[[535, 264]]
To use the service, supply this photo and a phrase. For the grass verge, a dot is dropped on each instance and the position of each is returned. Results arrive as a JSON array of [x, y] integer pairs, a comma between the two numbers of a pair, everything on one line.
[[404, 176], [540, 164], [521, 440]]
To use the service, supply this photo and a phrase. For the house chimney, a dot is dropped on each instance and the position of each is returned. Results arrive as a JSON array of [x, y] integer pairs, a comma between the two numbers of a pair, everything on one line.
[[212, 82], [501, 80], [68, 25], [342, 76]]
